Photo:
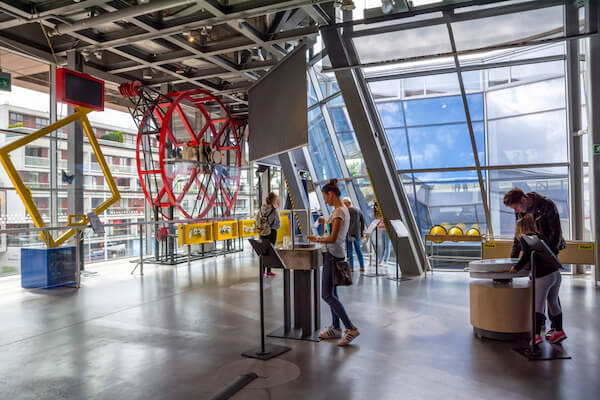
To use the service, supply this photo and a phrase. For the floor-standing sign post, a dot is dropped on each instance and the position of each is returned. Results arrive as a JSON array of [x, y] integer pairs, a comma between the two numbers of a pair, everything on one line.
[[267, 254]]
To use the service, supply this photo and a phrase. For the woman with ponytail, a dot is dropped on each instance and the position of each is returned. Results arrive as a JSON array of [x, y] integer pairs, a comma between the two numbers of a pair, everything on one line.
[[335, 250]]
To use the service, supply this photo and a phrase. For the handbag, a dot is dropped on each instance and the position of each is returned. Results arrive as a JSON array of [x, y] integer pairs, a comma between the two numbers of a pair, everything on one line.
[[341, 273]]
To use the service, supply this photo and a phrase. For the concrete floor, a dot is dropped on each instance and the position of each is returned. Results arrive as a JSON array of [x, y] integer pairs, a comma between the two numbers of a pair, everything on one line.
[[178, 334]]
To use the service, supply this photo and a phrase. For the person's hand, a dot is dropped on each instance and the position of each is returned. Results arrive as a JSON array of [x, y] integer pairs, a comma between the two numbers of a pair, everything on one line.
[[312, 238], [321, 220], [513, 270]]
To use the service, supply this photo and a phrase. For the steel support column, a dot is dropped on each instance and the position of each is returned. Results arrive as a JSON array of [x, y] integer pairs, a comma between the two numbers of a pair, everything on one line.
[[592, 22], [75, 156], [54, 170], [296, 189], [369, 130], [574, 126]]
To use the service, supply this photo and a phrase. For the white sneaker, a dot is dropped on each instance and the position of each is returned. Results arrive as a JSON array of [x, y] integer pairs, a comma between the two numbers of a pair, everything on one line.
[[349, 336], [330, 333]]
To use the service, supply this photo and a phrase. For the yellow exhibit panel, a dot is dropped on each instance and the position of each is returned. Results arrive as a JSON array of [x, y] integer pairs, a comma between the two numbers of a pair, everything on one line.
[[247, 228], [195, 233], [225, 230], [284, 230]]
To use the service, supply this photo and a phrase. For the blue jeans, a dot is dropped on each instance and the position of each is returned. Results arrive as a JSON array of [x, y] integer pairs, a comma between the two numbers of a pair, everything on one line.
[[329, 295], [350, 253]]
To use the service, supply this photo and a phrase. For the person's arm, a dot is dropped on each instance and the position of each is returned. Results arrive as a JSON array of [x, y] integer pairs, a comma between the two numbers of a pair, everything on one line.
[[362, 223], [335, 231], [524, 258], [276, 219], [554, 229], [516, 248]]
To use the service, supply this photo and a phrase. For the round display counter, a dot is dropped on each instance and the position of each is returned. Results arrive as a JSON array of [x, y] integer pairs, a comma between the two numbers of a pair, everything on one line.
[[499, 305]]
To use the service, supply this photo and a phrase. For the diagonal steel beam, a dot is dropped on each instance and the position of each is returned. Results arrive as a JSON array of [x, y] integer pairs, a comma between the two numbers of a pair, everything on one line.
[[463, 93]]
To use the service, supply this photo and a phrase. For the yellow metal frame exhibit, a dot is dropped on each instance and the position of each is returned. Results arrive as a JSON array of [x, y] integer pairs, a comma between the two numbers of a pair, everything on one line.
[[284, 230], [25, 193]]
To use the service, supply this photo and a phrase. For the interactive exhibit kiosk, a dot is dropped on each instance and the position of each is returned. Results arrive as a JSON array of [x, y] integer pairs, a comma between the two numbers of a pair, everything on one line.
[[502, 305]]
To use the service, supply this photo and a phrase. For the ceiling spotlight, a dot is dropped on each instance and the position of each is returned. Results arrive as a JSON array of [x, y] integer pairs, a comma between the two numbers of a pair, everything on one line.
[[148, 73], [191, 39], [85, 55], [388, 6], [98, 54], [347, 5]]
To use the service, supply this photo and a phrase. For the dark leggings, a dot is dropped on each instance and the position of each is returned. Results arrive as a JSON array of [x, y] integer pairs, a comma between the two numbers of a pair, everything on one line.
[[329, 294], [273, 239]]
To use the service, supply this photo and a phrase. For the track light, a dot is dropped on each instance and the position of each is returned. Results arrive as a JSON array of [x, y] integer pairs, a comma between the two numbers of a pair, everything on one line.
[[148, 74], [98, 54]]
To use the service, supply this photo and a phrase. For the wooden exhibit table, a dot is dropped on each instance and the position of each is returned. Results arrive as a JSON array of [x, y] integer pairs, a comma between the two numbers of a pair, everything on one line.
[[500, 302]]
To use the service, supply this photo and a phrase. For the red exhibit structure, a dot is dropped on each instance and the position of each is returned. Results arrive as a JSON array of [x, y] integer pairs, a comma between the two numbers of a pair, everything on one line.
[[188, 151]]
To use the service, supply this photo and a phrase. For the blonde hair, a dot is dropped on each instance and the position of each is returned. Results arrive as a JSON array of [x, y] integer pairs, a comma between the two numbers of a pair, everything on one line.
[[347, 200], [525, 226]]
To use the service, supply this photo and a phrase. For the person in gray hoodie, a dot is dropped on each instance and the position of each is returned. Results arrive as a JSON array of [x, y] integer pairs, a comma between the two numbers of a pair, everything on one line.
[[270, 209]]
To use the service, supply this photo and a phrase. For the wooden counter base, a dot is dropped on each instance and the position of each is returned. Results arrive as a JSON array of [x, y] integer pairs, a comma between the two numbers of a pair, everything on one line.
[[500, 308]]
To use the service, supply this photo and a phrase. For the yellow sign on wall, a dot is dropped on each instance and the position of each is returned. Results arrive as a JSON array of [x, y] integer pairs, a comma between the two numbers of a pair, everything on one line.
[[489, 245], [586, 246], [195, 233]]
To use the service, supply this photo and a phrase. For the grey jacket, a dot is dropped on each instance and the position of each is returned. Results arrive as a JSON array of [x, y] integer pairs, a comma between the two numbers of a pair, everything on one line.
[[274, 218], [357, 223]]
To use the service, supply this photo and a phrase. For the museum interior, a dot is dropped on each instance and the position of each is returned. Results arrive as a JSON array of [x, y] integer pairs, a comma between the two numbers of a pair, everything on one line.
[[299, 199]]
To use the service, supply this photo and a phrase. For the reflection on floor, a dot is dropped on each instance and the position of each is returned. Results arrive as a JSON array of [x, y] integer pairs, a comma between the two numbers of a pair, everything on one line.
[[178, 333]]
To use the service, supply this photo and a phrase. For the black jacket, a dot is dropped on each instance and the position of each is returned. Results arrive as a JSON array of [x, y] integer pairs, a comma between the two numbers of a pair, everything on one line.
[[544, 265], [548, 224]]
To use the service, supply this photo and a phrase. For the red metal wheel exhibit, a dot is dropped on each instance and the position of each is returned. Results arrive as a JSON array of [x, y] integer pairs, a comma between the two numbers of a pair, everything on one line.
[[188, 155]]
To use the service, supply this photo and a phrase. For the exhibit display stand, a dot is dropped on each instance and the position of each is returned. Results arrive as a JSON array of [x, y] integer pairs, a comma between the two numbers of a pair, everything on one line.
[[268, 255], [400, 231], [373, 228], [544, 350], [304, 261]]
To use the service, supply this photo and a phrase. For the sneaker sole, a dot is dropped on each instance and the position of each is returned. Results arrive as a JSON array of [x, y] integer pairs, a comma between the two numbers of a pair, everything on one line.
[[559, 340]]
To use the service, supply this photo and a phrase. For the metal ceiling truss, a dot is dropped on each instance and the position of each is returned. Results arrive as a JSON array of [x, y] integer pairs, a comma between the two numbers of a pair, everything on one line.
[[188, 43]]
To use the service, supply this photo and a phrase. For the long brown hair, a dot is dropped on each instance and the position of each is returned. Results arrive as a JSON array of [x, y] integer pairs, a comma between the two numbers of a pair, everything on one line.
[[525, 226], [270, 198]]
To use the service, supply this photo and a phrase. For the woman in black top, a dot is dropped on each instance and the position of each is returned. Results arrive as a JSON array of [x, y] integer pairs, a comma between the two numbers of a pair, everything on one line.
[[547, 281]]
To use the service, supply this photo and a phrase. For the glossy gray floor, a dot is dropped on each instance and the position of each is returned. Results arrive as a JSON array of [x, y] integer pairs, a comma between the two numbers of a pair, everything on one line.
[[178, 334]]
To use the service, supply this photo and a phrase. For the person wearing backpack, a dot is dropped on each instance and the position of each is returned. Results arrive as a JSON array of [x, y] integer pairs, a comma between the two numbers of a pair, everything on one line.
[[268, 222]]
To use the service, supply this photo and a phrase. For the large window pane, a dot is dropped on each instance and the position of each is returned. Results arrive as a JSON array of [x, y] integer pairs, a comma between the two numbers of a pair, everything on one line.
[[399, 145], [474, 34], [441, 110], [320, 147], [445, 146], [407, 43], [523, 99], [550, 182], [534, 138], [391, 114]]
